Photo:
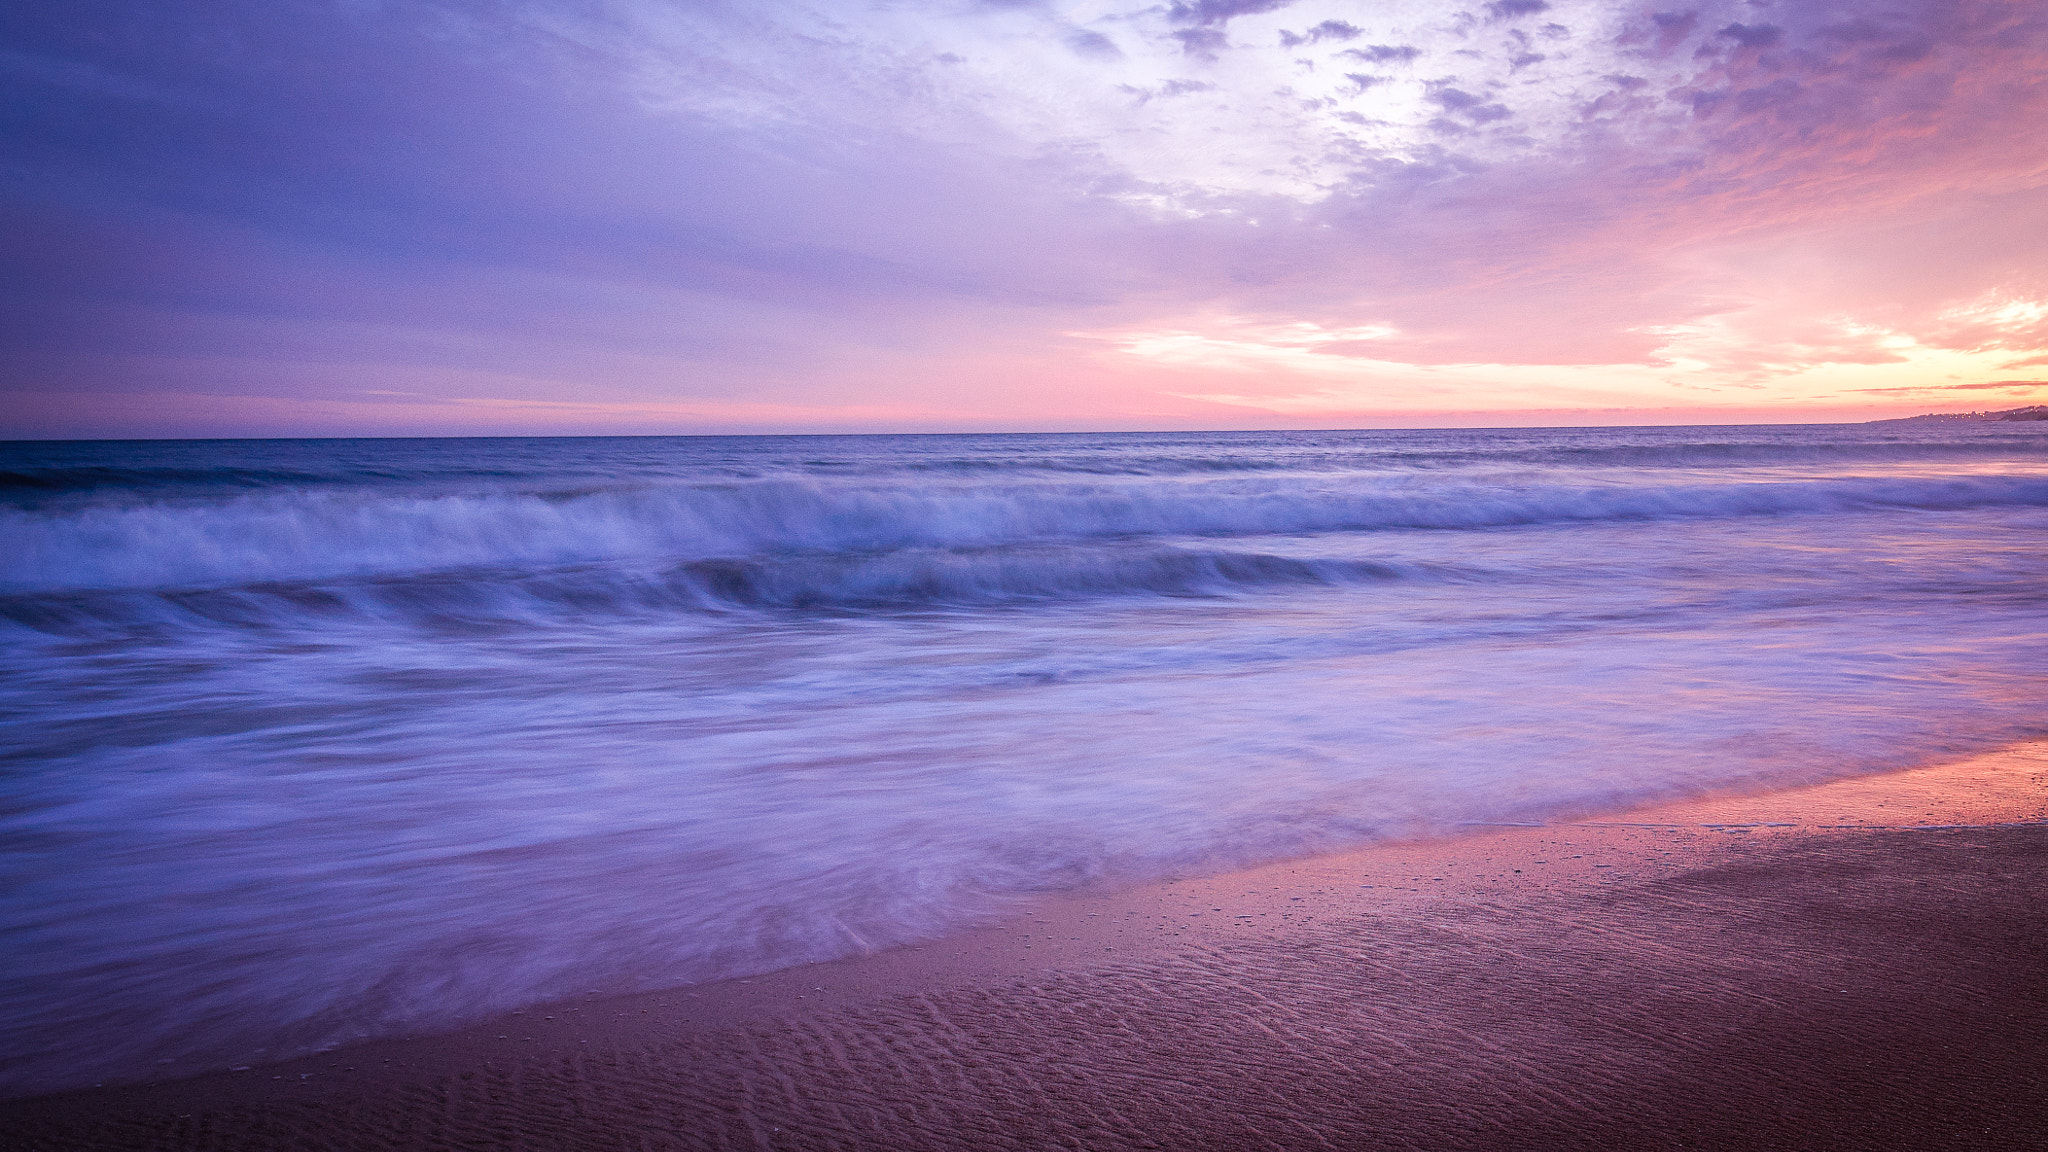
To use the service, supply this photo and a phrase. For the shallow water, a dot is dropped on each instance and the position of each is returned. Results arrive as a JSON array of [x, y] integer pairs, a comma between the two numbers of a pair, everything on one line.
[[315, 740]]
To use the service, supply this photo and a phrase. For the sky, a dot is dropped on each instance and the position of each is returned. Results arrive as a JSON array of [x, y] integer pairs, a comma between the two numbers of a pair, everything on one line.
[[458, 217]]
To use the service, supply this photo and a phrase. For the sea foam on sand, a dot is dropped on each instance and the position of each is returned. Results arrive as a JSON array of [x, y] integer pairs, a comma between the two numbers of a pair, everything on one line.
[[1858, 965]]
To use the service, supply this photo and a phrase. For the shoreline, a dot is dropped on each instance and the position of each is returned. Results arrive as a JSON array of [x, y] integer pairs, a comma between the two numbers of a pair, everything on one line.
[[1511, 987]]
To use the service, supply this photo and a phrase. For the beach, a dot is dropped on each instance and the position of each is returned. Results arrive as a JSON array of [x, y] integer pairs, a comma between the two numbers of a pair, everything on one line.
[[1024, 575], [1859, 964], [1189, 790]]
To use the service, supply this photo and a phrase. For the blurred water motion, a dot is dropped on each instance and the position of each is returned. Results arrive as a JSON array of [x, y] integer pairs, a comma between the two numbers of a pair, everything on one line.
[[309, 741]]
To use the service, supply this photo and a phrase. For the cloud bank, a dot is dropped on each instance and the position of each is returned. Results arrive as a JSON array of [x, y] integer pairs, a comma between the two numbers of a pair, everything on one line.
[[302, 217]]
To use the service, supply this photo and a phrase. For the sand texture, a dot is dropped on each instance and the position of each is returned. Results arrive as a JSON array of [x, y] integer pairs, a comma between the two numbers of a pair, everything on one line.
[[1840, 973]]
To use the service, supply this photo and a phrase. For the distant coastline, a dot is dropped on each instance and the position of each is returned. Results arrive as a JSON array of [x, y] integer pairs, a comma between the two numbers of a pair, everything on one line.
[[2031, 412]]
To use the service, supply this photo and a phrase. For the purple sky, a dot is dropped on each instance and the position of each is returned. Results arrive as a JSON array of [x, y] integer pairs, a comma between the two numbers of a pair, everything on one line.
[[362, 218]]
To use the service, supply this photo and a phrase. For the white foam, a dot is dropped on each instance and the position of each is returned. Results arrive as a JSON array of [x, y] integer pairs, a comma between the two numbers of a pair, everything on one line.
[[296, 768], [315, 535]]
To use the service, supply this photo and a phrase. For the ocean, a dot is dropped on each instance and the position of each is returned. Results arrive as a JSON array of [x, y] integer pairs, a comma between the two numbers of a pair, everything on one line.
[[310, 741]]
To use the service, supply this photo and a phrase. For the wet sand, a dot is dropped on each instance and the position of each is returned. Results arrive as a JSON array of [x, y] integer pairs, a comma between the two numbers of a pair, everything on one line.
[[1859, 965]]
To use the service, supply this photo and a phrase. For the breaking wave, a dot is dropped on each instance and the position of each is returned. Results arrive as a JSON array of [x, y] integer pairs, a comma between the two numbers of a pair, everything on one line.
[[316, 741], [905, 579], [317, 535]]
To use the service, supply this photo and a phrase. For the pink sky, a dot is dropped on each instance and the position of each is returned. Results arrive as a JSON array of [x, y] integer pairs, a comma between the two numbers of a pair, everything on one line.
[[627, 216]]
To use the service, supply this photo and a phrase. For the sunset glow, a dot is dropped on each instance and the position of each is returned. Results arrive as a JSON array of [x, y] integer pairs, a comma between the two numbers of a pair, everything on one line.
[[937, 575], [634, 216]]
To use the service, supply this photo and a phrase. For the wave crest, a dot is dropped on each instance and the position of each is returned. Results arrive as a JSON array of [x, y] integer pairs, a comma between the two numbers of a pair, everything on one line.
[[904, 580], [313, 536]]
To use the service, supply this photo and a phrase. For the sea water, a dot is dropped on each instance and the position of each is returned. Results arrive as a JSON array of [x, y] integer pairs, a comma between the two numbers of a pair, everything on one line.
[[311, 741]]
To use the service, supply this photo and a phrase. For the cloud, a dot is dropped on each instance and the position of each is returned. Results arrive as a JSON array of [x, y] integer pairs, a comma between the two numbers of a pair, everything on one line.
[[1327, 30], [1668, 31], [1204, 42], [1093, 45], [1383, 53], [1170, 89], [669, 209], [2014, 386], [1753, 35], [1473, 108], [1209, 13]]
